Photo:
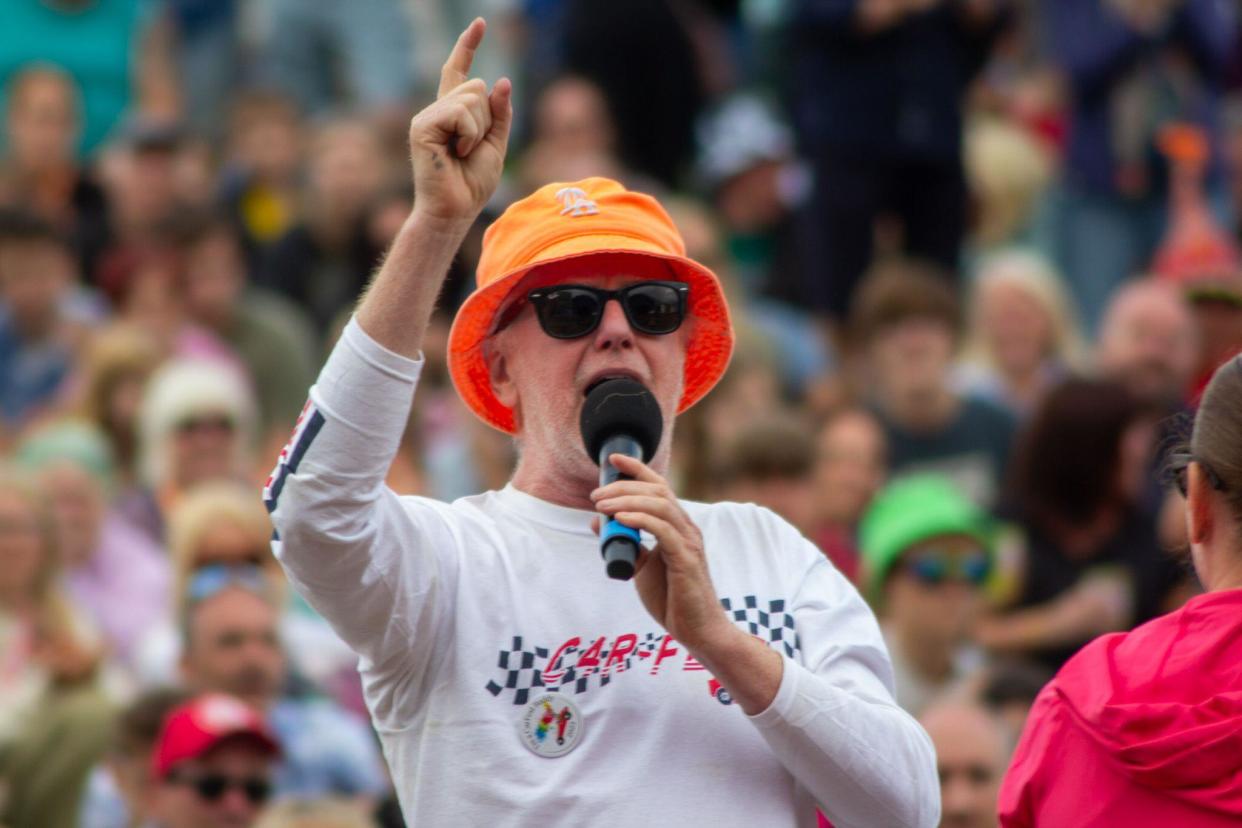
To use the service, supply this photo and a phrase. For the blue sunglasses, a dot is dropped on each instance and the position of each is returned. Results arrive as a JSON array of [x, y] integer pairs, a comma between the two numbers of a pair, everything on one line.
[[934, 569]]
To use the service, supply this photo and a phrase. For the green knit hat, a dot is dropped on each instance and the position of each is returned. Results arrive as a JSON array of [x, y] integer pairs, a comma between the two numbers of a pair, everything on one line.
[[909, 511]]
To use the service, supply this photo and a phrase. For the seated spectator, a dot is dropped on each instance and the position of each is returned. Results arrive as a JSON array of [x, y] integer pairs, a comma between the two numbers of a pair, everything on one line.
[[113, 572], [1144, 728], [972, 752], [120, 790], [926, 554], [770, 463], [1149, 343], [147, 292], [1091, 563], [40, 171], [139, 173], [850, 466], [54, 717], [37, 271], [213, 765], [1023, 337], [197, 423], [907, 324], [232, 644], [112, 373], [224, 524], [273, 338]]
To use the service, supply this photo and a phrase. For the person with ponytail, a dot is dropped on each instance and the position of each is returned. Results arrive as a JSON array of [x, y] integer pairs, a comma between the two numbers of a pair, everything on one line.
[[1144, 728]]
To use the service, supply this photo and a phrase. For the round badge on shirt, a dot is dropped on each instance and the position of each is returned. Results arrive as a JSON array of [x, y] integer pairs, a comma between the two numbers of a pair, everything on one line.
[[551, 725]]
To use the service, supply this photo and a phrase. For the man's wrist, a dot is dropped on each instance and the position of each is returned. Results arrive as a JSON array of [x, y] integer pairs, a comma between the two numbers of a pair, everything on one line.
[[719, 645], [747, 667], [452, 228]]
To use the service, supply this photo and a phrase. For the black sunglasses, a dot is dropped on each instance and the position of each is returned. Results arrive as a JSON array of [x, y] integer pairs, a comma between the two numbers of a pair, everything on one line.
[[209, 422], [212, 786], [1179, 461], [571, 311]]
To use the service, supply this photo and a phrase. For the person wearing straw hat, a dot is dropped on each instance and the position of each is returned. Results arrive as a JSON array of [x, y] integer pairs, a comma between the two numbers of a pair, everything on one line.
[[739, 680]]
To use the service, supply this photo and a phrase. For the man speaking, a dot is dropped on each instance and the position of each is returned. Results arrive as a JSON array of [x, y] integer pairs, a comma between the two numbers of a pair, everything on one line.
[[737, 679]]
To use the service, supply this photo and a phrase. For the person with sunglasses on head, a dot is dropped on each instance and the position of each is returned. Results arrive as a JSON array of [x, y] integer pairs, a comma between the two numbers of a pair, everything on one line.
[[927, 553], [1144, 728], [212, 765], [508, 677]]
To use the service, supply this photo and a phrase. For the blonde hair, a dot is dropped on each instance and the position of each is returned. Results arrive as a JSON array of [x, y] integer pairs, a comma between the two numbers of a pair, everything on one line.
[[1007, 170], [185, 387], [204, 508], [1035, 276], [114, 353]]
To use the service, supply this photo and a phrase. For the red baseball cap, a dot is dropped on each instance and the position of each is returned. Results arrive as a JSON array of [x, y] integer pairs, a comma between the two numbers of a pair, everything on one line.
[[201, 724]]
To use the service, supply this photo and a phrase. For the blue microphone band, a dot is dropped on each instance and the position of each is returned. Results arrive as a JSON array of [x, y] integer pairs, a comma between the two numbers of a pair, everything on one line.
[[619, 548]]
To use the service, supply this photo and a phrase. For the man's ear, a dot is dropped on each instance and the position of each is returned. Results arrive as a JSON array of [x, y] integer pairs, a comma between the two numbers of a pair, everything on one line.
[[1199, 512], [498, 373]]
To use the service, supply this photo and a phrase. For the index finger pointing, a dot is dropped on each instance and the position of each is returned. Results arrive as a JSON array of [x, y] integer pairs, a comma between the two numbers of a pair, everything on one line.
[[457, 68]]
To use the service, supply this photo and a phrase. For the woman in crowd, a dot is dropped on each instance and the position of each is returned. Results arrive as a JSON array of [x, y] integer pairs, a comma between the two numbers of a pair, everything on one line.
[[224, 525], [1023, 335], [1091, 560], [1150, 721], [197, 424], [54, 718], [851, 464], [112, 571]]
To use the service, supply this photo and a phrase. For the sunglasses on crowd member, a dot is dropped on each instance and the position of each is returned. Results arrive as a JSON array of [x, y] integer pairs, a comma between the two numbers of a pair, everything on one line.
[[211, 787], [208, 580], [205, 422], [571, 311], [1179, 462], [932, 569]]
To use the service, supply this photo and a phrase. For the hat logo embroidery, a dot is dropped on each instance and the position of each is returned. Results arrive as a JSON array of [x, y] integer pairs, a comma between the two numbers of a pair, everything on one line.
[[576, 202]]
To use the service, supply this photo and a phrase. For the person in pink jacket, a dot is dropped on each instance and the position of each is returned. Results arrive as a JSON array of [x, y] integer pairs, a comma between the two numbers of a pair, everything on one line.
[[1145, 728]]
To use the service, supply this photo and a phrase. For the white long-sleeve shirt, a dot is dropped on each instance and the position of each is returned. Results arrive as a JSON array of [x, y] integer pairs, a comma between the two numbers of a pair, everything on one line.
[[512, 682]]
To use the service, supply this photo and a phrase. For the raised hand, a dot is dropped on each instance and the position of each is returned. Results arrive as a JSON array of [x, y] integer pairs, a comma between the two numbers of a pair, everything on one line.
[[458, 143]]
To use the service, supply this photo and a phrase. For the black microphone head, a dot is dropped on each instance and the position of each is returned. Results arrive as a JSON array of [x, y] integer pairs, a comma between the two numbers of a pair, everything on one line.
[[621, 406]]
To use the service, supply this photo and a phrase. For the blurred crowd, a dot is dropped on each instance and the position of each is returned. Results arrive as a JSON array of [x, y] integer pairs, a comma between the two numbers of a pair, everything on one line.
[[982, 256]]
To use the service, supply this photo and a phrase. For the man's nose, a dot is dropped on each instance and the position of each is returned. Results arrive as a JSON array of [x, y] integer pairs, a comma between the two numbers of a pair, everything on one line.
[[235, 805], [614, 329]]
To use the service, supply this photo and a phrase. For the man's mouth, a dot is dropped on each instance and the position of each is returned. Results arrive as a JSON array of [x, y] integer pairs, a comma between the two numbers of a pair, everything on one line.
[[603, 378]]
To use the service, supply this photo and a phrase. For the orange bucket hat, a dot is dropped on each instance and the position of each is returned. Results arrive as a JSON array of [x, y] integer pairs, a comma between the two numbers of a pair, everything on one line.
[[567, 221]]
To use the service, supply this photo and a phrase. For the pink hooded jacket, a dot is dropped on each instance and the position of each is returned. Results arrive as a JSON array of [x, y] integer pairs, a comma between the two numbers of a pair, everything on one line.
[[1139, 729]]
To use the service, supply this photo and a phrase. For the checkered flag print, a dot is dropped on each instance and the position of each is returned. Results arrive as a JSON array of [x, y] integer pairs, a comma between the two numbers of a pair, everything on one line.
[[522, 666], [772, 622], [520, 673]]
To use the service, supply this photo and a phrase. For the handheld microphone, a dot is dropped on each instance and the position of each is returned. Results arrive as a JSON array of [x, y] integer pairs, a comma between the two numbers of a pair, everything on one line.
[[619, 416]]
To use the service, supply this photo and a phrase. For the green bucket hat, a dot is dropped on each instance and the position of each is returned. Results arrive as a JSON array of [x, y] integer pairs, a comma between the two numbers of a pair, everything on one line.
[[911, 510]]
